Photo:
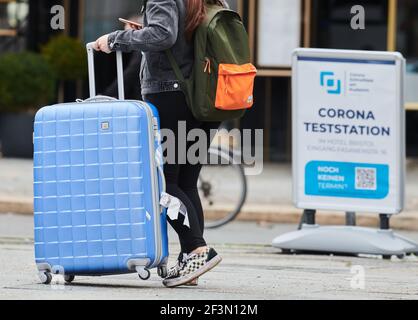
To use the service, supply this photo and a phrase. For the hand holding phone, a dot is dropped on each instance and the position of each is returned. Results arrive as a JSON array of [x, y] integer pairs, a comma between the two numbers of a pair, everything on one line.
[[132, 24]]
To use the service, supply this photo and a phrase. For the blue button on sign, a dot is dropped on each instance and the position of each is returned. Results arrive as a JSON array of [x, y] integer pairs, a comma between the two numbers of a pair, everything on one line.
[[347, 180]]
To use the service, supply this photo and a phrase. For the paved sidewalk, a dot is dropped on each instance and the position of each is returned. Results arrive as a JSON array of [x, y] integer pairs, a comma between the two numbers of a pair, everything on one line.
[[251, 269], [269, 195]]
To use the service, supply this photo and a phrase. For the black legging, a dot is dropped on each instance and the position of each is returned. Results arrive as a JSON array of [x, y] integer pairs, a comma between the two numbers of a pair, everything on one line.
[[182, 178]]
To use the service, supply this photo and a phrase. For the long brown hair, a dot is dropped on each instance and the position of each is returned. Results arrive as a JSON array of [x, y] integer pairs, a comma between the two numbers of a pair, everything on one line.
[[196, 12]]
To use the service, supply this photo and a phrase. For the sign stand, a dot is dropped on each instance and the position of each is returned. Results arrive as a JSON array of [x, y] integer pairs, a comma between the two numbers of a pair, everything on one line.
[[348, 150], [349, 239]]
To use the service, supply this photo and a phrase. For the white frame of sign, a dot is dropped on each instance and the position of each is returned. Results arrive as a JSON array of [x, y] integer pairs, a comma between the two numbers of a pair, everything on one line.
[[399, 132]]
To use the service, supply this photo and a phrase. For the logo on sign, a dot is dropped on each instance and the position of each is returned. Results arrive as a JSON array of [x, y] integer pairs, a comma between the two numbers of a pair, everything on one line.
[[330, 82]]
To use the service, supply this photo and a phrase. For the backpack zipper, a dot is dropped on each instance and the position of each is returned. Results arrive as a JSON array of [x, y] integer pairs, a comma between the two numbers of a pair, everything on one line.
[[207, 66]]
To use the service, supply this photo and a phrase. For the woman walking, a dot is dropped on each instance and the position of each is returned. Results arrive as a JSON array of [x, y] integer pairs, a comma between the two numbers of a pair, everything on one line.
[[170, 24]]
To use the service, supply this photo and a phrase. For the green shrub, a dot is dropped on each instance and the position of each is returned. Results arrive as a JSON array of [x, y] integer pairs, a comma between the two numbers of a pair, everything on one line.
[[26, 82], [67, 57]]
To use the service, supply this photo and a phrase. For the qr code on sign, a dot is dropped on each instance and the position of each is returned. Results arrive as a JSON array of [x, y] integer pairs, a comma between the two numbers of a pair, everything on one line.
[[366, 179]]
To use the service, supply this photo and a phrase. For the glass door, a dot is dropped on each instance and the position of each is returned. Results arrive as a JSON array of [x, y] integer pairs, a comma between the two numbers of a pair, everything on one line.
[[407, 43], [13, 16]]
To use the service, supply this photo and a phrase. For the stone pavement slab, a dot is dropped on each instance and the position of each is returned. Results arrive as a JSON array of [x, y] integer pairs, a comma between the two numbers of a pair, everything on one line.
[[251, 269]]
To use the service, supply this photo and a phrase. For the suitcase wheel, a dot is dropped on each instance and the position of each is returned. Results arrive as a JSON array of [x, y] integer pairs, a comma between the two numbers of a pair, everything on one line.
[[45, 277], [162, 272], [69, 278], [144, 274]]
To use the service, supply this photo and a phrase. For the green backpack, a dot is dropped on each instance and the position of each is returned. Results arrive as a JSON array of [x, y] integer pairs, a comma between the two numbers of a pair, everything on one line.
[[222, 82]]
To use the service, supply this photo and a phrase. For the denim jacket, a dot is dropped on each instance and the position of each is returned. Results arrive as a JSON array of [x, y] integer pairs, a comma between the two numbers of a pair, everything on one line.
[[164, 28]]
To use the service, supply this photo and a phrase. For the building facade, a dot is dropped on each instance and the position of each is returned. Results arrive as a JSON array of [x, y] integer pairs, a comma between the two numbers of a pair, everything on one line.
[[275, 27]]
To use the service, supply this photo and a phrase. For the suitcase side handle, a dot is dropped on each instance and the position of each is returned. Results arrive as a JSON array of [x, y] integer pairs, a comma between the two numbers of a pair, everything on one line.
[[92, 78], [161, 176]]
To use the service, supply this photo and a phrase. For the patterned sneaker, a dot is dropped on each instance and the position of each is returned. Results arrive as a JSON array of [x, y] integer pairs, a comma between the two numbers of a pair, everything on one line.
[[196, 265], [174, 271]]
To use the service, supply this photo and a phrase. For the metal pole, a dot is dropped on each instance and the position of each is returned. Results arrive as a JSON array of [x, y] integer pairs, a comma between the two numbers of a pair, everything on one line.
[[308, 217], [385, 221], [350, 219]]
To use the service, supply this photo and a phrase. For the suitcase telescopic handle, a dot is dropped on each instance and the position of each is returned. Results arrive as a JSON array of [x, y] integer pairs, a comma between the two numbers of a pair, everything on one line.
[[92, 78]]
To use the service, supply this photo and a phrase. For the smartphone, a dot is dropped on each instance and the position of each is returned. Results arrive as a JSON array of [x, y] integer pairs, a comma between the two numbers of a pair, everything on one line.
[[140, 26]]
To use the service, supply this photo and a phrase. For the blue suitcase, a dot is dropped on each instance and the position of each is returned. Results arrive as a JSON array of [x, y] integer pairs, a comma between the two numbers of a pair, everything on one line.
[[97, 186]]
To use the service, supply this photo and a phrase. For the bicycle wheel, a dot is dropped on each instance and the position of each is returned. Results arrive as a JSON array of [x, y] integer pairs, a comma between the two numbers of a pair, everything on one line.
[[222, 188]]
